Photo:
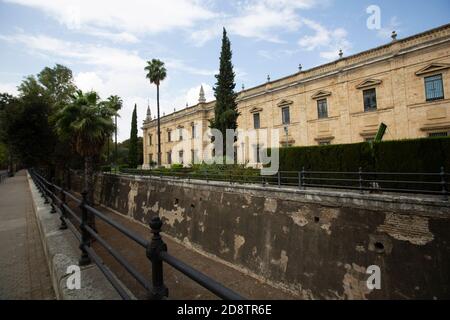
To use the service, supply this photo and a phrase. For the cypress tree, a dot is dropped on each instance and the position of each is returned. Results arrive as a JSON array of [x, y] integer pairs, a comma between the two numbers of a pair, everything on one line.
[[133, 149], [225, 112]]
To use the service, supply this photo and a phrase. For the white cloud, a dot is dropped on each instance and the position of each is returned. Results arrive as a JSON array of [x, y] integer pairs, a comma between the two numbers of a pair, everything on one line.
[[133, 16], [10, 88], [180, 65], [328, 41], [261, 20], [118, 37], [112, 71]]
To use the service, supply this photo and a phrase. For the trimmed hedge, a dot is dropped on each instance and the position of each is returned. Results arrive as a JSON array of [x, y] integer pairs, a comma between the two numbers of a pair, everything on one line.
[[418, 155]]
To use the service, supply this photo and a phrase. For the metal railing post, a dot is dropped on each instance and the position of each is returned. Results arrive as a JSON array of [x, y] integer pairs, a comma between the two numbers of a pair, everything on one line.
[[154, 248], [303, 178], [44, 188], [299, 179], [360, 180], [444, 186], [85, 236], [279, 178], [53, 196], [63, 225]]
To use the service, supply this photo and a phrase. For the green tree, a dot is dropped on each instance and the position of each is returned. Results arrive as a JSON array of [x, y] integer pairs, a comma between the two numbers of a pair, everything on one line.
[[86, 124], [115, 103], [133, 150], [225, 111], [24, 126], [58, 84], [156, 72]]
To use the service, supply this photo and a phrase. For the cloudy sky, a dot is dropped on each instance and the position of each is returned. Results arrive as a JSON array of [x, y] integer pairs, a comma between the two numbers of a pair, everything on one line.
[[107, 42]]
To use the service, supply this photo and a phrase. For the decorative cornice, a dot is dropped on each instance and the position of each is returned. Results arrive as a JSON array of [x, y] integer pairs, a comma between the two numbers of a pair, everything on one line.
[[256, 110], [436, 126], [433, 67], [285, 103], [320, 94], [324, 138], [368, 83]]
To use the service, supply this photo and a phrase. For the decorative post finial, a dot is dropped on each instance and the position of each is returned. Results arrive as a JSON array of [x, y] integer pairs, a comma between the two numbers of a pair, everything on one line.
[[268, 78], [300, 67], [341, 54], [201, 96], [394, 36], [243, 87]]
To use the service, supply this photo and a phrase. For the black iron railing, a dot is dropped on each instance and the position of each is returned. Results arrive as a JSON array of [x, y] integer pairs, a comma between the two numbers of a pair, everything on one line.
[[155, 250], [3, 175], [437, 183]]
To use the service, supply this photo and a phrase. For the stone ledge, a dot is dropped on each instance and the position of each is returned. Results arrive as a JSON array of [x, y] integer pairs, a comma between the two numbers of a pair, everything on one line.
[[61, 251], [425, 205]]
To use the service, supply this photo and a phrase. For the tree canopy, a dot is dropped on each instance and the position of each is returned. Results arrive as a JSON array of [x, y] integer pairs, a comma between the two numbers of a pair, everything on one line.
[[225, 112]]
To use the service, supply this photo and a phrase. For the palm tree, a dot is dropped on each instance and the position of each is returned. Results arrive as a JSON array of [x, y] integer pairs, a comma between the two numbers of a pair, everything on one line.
[[115, 102], [156, 72], [86, 123]]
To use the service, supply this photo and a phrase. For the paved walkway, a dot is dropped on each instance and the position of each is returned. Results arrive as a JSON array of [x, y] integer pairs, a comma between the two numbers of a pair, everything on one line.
[[23, 268]]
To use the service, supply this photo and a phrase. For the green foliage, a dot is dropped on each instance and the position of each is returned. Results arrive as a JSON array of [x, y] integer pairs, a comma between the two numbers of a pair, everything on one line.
[[225, 111], [4, 156], [418, 155], [156, 72], [85, 123], [133, 149], [58, 84], [176, 166], [25, 129]]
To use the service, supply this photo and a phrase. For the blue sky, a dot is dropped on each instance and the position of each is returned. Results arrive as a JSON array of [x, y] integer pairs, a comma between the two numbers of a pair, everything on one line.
[[106, 43]]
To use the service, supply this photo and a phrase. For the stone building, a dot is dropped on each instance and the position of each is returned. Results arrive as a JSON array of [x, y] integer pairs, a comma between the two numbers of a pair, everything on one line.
[[404, 84]]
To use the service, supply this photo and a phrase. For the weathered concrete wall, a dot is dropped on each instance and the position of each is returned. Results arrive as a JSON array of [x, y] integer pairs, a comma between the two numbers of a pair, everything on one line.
[[317, 243]]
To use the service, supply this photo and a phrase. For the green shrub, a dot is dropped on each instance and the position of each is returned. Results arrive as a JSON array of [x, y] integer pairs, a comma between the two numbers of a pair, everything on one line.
[[105, 168], [418, 155]]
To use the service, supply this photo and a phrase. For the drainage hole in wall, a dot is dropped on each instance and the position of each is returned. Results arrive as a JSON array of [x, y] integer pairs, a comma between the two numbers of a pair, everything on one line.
[[192, 206], [176, 201], [316, 219], [379, 247]]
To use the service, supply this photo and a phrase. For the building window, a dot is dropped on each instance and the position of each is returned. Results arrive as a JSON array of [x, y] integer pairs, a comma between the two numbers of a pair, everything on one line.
[[438, 134], [193, 156], [213, 152], [194, 134], [150, 140], [324, 143], [180, 155], [257, 157], [285, 117], [235, 154], [370, 100], [169, 136], [256, 122], [169, 157], [322, 108], [180, 134], [434, 88]]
